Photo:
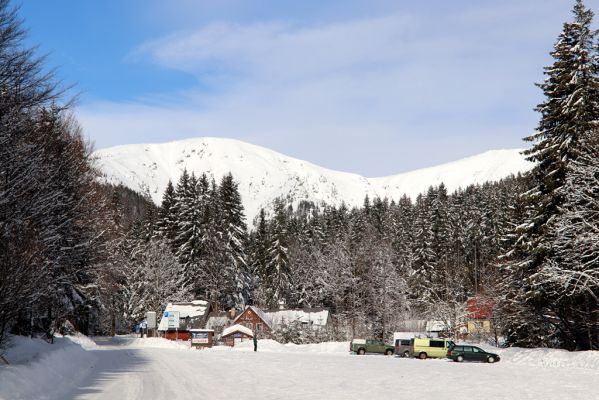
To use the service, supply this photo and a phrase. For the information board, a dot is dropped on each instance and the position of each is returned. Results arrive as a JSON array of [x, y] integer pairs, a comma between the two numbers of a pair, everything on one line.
[[172, 318]]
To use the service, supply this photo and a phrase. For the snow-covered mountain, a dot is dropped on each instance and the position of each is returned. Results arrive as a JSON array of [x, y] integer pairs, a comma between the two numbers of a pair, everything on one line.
[[264, 175]]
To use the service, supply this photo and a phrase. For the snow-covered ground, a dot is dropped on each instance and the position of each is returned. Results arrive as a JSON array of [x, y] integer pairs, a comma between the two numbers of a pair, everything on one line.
[[130, 368]]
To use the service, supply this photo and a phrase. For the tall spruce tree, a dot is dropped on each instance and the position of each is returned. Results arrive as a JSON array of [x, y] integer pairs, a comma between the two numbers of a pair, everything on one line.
[[234, 237], [569, 111], [571, 277], [278, 272], [166, 224]]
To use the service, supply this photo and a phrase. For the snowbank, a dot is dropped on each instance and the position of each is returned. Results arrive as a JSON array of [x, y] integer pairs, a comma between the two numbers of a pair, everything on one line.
[[160, 343], [271, 346], [46, 365], [551, 358]]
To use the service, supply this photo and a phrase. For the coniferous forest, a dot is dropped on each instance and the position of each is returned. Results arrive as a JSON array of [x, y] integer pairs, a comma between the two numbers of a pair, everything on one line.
[[76, 253]]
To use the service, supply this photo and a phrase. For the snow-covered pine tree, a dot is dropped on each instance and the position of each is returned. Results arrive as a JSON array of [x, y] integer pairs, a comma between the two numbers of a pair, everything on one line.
[[259, 258], [278, 273], [569, 111], [166, 223], [571, 277], [234, 237], [422, 275], [190, 229], [402, 234]]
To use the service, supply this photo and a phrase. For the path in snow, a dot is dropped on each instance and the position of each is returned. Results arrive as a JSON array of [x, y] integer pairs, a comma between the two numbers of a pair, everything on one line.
[[123, 371]]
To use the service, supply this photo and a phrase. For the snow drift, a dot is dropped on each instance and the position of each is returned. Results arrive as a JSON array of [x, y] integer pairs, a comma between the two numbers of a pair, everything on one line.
[[38, 369]]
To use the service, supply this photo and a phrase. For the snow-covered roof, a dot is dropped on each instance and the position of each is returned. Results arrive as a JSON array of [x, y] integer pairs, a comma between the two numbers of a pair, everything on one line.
[[314, 317], [218, 320], [317, 317], [193, 309], [259, 313], [437, 326], [237, 328]]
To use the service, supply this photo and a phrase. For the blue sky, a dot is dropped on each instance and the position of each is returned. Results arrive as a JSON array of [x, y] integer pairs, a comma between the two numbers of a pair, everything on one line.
[[372, 87]]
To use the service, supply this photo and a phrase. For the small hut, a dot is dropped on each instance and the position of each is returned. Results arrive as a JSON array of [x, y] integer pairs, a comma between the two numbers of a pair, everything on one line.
[[236, 334]]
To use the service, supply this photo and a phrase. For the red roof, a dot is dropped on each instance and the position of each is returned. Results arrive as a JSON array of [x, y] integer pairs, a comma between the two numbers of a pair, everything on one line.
[[479, 307]]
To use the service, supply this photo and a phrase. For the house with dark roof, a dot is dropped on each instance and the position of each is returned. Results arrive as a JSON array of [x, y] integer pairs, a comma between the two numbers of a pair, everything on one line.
[[264, 322], [255, 319]]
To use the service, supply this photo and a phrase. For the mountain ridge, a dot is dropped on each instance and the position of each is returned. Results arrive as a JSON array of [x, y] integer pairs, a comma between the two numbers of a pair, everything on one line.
[[264, 175]]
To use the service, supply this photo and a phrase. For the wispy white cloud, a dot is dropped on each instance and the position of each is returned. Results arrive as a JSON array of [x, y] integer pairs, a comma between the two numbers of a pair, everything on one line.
[[366, 95]]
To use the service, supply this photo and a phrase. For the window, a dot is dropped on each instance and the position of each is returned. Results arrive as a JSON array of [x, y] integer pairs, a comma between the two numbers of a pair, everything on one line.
[[259, 327], [437, 343], [458, 348], [468, 349], [405, 342], [476, 350]]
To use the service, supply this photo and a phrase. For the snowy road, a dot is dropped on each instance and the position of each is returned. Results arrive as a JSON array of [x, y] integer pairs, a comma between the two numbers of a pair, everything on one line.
[[121, 371]]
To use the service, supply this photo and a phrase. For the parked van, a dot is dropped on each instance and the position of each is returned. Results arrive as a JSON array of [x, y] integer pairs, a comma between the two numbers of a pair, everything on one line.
[[430, 348], [403, 347]]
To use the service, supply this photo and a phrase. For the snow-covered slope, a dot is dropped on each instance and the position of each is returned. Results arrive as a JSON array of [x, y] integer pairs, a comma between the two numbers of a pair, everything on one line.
[[264, 175]]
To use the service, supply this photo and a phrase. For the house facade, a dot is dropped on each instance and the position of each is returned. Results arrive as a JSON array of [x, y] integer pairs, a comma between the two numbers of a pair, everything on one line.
[[179, 318], [264, 322], [256, 320], [479, 312]]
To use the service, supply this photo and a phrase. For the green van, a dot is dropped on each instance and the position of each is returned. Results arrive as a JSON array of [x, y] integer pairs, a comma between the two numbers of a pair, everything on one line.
[[430, 348]]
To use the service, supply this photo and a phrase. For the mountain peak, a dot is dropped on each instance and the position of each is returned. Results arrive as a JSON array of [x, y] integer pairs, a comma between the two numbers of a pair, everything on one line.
[[264, 175]]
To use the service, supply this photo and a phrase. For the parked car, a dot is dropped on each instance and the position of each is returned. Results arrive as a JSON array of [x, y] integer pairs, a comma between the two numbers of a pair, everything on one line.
[[403, 347], [461, 353], [430, 348], [363, 346]]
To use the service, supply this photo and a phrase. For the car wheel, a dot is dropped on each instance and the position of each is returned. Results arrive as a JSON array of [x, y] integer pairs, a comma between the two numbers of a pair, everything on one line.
[[361, 352], [388, 352], [422, 356], [459, 358], [491, 360], [406, 354]]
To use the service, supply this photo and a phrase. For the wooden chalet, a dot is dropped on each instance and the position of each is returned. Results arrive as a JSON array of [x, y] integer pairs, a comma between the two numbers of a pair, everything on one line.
[[264, 322], [256, 320]]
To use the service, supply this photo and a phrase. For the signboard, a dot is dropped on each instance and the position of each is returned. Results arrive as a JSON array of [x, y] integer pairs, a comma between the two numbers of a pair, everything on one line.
[[151, 318], [199, 337], [172, 319]]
